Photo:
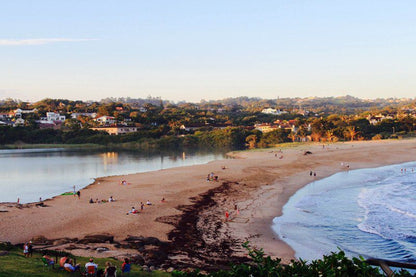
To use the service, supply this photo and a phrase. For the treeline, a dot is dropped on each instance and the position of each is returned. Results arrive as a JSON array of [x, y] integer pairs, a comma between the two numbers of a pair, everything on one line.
[[230, 138]]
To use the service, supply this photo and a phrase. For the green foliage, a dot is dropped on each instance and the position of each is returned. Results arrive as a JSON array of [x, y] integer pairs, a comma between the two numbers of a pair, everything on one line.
[[333, 265], [14, 264]]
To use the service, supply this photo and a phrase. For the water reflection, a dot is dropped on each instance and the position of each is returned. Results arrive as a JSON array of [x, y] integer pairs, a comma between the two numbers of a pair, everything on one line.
[[109, 158], [34, 173]]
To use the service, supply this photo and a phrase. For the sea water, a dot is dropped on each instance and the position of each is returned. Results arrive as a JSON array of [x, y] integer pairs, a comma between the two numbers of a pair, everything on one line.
[[367, 212]]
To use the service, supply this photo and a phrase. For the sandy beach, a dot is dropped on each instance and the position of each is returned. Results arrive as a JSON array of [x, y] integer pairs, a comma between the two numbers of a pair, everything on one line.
[[190, 226]]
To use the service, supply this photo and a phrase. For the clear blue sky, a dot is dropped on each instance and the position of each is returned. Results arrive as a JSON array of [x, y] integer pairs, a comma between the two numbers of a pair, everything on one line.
[[193, 50]]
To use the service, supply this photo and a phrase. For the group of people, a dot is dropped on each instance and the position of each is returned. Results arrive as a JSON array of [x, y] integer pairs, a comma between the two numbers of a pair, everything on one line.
[[110, 199], [312, 173], [212, 177], [236, 213], [148, 203], [28, 249], [91, 267]]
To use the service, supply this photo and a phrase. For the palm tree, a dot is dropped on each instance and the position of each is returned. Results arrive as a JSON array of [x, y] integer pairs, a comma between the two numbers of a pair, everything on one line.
[[350, 132]]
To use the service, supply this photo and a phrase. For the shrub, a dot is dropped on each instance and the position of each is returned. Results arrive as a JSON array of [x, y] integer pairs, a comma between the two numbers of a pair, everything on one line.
[[334, 265]]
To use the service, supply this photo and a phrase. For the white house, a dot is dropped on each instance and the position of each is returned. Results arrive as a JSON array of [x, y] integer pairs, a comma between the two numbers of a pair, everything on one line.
[[106, 120], [19, 112], [91, 115], [273, 111], [51, 118], [19, 122]]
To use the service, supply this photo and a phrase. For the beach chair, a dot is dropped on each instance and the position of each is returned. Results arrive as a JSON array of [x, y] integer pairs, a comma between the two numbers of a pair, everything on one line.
[[46, 263], [91, 271]]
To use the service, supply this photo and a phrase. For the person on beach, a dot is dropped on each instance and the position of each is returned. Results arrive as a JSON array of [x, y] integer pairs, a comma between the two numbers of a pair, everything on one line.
[[111, 199], [126, 267], [148, 203], [26, 250], [48, 259], [237, 212], [227, 215], [79, 194], [62, 261], [141, 206], [30, 249], [110, 270], [163, 200], [70, 267], [91, 201], [132, 211], [91, 263]]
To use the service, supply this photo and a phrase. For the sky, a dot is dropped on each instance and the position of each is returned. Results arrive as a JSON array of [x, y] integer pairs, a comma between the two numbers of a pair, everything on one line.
[[193, 50]]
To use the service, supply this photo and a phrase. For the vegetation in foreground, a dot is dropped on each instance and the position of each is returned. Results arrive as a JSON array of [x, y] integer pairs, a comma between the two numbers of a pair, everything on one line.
[[13, 263], [334, 265]]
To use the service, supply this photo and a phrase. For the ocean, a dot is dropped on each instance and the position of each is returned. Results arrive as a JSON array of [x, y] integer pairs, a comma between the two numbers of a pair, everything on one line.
[[366, 212]]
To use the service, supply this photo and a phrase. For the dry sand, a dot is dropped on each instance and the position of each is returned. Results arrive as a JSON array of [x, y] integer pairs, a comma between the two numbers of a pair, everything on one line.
[[259, 182]]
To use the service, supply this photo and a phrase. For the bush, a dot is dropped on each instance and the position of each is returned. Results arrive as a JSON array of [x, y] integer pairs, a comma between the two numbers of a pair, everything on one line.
[[334, 265]]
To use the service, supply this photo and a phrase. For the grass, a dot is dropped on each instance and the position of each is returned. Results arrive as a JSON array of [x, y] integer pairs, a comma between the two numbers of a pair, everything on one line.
[[14, 264]]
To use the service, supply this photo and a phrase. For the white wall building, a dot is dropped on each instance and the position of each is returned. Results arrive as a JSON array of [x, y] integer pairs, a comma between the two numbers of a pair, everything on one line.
[[273, 111]]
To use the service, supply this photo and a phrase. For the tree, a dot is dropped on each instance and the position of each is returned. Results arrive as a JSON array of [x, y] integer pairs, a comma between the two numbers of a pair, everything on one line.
[[252, 141], [350, 132]]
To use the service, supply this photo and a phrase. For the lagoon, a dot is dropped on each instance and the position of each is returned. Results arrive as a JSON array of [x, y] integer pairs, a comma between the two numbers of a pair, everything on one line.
[[30, 174]]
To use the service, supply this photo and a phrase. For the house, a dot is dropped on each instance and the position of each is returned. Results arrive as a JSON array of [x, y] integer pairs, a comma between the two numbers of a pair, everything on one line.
[[19, 112], [91, 115], [272, 111], [116, 130], [265, 127], [192, 127], [374, 119], [51, 118], [106, 120], [4, 116], [19, 122]]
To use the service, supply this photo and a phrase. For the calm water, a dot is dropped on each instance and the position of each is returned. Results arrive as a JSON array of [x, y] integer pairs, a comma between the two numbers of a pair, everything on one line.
[[368, 212], [33, 173]]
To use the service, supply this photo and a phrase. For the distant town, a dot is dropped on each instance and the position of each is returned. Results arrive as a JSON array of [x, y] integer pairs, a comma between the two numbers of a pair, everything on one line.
[[235, 122]]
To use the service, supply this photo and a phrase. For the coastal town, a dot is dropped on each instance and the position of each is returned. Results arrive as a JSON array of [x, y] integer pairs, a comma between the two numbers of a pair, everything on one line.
[[256, 122]]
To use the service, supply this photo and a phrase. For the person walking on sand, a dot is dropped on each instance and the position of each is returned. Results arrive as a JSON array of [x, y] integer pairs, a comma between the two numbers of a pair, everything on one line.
[[227, 215], [30, 249], [79, 194], [26, 250], [237, 212]]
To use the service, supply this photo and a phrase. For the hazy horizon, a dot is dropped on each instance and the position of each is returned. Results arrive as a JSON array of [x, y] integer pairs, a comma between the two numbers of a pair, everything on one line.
[[189, 51]]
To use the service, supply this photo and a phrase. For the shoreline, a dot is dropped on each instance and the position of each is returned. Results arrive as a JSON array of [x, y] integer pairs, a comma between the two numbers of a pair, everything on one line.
[[259, 182]]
